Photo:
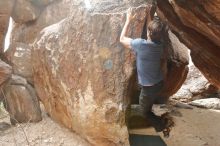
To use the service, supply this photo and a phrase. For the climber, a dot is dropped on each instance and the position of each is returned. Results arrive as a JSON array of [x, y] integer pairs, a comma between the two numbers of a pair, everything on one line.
[[148, 60]]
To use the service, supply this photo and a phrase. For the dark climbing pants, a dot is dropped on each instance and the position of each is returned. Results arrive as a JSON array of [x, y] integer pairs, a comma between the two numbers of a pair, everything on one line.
[[149, 96]]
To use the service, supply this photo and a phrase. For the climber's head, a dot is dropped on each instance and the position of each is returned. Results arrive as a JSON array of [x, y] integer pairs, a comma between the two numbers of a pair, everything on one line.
[[155, 30]]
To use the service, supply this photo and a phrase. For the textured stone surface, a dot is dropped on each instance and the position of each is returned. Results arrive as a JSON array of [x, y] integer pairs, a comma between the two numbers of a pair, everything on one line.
[[82, 73], [81, 69], [5, 72], [19, 56], [21, 101], [5, 11], [177, 68], [41, 3], [210, 103], [26, 32], [196, 23], [196, 86], [24, 11], [4, 126]]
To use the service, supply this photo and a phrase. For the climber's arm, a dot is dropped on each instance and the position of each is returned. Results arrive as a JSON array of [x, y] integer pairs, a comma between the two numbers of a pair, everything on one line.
[[126, 41]]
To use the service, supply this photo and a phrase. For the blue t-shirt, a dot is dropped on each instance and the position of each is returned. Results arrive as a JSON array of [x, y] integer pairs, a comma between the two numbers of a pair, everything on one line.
[[148, 60]]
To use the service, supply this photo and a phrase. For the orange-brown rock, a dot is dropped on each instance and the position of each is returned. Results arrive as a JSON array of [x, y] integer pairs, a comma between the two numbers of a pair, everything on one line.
[[82, 73], [177, 66], [197, 24]]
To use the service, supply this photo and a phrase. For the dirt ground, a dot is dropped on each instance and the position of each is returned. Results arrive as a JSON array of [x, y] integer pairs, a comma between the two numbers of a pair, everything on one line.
[[197, 127], [44, 133], [194, 127]]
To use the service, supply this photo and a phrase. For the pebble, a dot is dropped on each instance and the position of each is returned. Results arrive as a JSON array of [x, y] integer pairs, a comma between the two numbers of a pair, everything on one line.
[[4, 126]]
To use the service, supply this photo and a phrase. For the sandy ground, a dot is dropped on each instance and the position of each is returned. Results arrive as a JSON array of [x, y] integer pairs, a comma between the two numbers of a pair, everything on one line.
[[197, 127], [194, 127], [44, 133]]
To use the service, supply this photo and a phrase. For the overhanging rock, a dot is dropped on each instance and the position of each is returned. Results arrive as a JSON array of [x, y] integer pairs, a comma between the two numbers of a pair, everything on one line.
[[197, 24]]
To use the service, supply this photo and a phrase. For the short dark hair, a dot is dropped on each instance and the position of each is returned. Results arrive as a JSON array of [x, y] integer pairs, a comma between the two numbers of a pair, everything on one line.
[[155, 28]]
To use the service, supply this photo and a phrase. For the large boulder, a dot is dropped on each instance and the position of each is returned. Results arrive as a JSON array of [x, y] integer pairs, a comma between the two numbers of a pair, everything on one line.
[[26, 32], [21, 101], [196, 24], [24, 11], [26, 28], [83, 75]]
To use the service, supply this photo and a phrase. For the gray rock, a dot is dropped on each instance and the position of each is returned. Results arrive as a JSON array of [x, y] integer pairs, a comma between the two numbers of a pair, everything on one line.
[[210, 103], [19, 55], [21, 101], [26, 33], [196, 86], [4, 126], [41, 3], [24, 11]]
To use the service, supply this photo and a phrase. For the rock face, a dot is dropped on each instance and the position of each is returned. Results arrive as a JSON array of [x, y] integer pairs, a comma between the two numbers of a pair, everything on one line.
[[196, 23], [82, 73], [20, 59], [25, 30], [5, 11], [177, 68], [210, 103], [21, 101], [24, 11], [196, 86], [5, 74]]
